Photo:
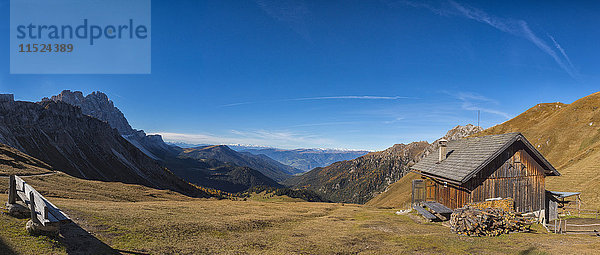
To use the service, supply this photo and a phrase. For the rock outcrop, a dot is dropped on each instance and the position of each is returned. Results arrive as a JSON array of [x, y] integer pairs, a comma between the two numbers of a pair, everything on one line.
[[96, 105], [99, 106], [456, 133]]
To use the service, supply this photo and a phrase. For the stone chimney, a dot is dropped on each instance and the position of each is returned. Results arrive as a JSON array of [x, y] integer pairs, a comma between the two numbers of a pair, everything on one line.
[[443, 150]]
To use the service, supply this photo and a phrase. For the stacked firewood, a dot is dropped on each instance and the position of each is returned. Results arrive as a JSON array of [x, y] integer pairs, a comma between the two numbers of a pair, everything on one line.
[[506, 204], [473, 221]]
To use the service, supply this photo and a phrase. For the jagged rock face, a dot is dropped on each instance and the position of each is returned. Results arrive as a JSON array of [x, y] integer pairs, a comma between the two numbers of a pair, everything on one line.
[[360, 179], [98, 106], [79, 145]]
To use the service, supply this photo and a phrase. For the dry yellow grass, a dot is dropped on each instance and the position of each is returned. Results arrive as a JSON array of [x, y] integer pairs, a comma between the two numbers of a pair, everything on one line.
[[397, 195], [568, 135], [12, 161], [174, 224], [61, 185]]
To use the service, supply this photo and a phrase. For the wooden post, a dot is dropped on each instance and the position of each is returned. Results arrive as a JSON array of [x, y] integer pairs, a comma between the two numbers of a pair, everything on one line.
[[12, 190], [565, 229], [32, 207], [578, 206]]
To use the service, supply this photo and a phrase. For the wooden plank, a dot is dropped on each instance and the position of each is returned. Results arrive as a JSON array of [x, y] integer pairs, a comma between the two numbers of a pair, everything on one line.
[[424, 212], [437, 207], [12, 190]]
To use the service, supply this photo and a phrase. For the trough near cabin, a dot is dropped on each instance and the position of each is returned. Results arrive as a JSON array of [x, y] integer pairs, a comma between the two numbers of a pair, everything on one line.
[[482, 168]]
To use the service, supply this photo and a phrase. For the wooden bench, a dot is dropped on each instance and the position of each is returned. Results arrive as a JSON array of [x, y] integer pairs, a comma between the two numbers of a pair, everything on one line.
[[425, 213], [437, 207], [42, 211]]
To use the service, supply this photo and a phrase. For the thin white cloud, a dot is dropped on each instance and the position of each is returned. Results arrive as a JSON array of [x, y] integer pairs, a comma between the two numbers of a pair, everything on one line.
[[562, 51], [515, 27], [476, 102], [279, 139], [323, 98], [351, 97], [327, 124]]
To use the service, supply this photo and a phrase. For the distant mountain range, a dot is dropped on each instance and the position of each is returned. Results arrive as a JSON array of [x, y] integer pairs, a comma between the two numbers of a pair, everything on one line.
[[264, 164], [361, 179], [302, 159], [215, 167]]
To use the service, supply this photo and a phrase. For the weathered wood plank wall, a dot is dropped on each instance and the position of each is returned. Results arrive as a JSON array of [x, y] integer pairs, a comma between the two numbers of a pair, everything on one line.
[[513, 174]]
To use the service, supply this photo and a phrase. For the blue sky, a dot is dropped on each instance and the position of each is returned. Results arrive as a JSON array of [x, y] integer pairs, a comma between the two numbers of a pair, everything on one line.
[[341, 74]]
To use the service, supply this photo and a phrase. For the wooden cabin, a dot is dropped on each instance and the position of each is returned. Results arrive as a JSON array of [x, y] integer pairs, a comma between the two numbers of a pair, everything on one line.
[[481, 168]]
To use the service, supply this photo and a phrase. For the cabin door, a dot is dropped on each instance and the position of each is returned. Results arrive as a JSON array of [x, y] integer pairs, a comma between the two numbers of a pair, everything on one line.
[[431, 188], [418, 191]]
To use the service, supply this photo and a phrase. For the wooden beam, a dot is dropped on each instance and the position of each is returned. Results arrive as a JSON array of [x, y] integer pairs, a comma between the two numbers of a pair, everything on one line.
[[34, 217], [12, 190]]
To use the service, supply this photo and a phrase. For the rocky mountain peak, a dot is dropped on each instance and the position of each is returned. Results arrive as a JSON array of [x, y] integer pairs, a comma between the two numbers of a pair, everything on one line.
[[456, 133], [96, 105], [460, 132]]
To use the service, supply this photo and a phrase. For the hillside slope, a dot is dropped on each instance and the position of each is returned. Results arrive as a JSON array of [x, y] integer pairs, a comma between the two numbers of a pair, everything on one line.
[[358, 180], [12, 161], [62, 137], [568, 135], [361, 179], [261, 163]]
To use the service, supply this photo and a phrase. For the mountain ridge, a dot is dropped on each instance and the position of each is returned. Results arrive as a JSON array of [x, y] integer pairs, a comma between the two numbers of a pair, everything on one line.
[[61, 136], [99, 106], [361, 179]]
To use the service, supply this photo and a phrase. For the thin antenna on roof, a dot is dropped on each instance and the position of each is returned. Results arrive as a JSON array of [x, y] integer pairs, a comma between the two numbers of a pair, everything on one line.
[[478, 118]]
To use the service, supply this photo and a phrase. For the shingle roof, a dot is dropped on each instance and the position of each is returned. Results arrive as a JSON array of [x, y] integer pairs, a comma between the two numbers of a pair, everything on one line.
[[468, 156]]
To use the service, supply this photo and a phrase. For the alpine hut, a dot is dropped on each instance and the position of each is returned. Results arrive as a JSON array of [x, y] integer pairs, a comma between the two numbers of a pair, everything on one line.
[[481, 168]]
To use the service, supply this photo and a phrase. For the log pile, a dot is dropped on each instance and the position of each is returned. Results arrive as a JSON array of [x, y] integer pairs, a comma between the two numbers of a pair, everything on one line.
[[506, 204], [479, 220]]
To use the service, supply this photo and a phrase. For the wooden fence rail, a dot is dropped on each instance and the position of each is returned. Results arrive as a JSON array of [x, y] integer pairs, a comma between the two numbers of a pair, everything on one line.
[[580, 211], [42, 211], [561, 226]]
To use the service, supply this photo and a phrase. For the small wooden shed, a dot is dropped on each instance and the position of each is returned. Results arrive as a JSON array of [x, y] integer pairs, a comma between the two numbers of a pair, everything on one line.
[[480, 168]]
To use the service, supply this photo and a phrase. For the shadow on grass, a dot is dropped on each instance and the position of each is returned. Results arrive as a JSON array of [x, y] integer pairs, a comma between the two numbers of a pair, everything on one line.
[[78, 241], [5, 249], [530, 250]]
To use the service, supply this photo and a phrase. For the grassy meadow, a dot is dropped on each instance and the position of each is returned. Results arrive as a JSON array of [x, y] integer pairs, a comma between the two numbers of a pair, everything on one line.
[[132, 218]]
